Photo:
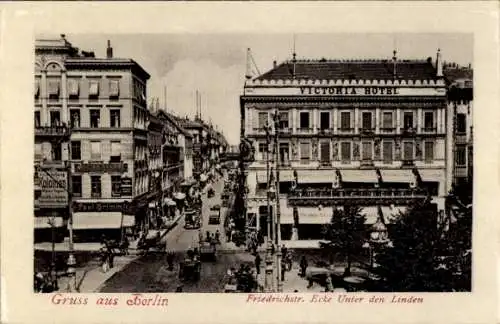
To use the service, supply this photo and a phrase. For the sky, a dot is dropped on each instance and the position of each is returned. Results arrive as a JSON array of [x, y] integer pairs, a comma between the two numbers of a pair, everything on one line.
[[215, 64]]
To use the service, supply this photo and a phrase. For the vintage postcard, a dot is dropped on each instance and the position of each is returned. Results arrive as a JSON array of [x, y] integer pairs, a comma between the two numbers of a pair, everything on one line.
[[249, 162]]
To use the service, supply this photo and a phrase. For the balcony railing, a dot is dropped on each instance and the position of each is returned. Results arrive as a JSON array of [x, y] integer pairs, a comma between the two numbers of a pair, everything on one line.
[[330, 197], [366, 163], [429, 129], [408, 131], [407, 163], [367, 131], [305, 130], [325, 131], [387, 130], [62, 130]]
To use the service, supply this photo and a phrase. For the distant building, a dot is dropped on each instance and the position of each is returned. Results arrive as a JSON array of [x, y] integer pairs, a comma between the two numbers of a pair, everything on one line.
[[95, 109], [460, 122], [364, 132]]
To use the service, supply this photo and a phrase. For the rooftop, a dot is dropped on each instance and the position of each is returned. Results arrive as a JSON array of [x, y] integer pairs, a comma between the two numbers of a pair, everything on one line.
[[324, 69]]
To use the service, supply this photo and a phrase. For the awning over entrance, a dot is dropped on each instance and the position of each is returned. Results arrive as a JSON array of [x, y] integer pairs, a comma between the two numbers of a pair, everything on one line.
[[316, 176], [285, 176], [307, 215], [397, 175], [365, 176], [431, 175], [95, 220], [169, 202], [389, 214], [46, 221]]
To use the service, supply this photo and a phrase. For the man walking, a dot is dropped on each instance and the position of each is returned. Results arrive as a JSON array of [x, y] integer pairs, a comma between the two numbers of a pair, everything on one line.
[[303, 266], [258, 260]]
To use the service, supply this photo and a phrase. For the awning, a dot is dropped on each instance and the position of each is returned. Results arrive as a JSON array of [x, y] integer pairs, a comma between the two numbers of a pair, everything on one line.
[[285, 176], [152, 205], [316, 176], [389, 214], [169, 202], [431, 175], [95, 220], [45, 222], [179, 195], [307, 215], [399, 175], [365, 176]]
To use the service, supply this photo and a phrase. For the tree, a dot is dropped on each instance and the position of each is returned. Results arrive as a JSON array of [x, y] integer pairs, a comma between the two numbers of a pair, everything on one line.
[[345, 233], [426, 257]]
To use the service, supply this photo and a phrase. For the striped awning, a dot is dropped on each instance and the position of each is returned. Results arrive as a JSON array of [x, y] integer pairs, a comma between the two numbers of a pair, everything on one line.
[[364, 176], [316, 176], [431, 175], [95, 220], [398, 175], [285, 176]]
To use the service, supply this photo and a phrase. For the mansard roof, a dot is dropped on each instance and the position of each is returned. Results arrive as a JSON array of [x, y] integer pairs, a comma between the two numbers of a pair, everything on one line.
[[352, 70]]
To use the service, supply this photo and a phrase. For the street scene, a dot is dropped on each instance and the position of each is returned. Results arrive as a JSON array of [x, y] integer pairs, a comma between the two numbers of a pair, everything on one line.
[[230, 166]]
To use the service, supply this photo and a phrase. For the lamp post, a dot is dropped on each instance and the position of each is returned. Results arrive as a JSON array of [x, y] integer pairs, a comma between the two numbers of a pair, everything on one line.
[[278, 212], [269, 244]]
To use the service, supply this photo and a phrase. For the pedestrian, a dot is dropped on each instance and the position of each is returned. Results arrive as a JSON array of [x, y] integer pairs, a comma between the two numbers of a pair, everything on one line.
[[284, 251], [328, 284], [104, 259], [208, 236], [283, 270], [217, 236], [200, 236], [258, 260], [303, 266]]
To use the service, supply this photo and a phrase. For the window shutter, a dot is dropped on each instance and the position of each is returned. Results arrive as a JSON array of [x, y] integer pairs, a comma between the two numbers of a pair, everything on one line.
[[73, 86], [85, 150], [94, 88], [106, 150]]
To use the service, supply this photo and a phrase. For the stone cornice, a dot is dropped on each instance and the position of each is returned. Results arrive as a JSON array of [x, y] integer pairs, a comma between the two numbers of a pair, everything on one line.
[[345, 82]]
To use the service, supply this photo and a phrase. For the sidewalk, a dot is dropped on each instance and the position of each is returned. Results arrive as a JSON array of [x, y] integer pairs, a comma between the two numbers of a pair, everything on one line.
[[95, 246], [91, 277], [292, 281]]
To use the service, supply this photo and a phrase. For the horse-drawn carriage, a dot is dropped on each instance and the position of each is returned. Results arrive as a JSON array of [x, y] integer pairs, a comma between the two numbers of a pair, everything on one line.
[[192, 219], [189, 269], [207, 251], [151, 242]]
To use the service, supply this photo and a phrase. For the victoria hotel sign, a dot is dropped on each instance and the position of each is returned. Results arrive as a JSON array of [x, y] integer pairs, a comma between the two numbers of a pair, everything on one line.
[[324, 90]]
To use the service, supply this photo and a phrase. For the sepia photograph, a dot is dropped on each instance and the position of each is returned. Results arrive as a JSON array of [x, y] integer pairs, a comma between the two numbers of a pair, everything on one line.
[[224, 163]]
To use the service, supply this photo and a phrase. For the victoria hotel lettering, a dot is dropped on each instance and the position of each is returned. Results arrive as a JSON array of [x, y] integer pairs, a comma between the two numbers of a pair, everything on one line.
[[369, 131]]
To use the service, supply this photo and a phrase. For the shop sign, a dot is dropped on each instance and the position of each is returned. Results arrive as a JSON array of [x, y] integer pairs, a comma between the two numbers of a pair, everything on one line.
[[101, 207], [118, 167], [126, 186], [53, 189]]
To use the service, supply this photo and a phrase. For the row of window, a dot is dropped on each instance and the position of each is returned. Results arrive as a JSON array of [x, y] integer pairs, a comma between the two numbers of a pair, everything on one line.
[[73, 88], [346, 151], [96, 186], [75, 118], [346, 120], [96, 151]]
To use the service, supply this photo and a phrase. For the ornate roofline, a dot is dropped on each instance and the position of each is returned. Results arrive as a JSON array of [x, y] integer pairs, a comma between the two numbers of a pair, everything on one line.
[[344, 82]]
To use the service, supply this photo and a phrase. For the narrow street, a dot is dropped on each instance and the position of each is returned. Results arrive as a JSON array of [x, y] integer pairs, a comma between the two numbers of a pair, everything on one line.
[[150, 274]]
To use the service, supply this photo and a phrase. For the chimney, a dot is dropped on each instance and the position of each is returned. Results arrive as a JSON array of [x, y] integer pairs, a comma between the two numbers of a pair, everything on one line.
[[439, 64], [109, 50], [274, 64], [470, 66]]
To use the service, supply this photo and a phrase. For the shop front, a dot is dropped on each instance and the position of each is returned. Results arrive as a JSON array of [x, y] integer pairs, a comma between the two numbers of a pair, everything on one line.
[[93, 220]]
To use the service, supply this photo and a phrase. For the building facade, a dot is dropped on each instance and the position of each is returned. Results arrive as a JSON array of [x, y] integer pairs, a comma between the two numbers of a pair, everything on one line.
[[460, 108], [103, 103], [369, 132]]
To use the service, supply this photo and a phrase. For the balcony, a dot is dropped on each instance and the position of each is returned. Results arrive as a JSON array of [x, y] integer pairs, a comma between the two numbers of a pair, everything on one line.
[[305, 130], [52, 131], [346, 130], [360, 197], [366, 163], [387, 130], [407, 163], [367, 131], [325, 131], [408, 131], [285, 130], [429, 130]]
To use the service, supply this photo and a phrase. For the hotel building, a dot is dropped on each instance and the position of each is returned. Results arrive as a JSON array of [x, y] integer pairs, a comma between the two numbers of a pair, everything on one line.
[[102, 102], [367, 132]]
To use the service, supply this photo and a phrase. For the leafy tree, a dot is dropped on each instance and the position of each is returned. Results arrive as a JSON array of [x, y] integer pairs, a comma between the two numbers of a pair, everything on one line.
[[345, 233], [426, 257]]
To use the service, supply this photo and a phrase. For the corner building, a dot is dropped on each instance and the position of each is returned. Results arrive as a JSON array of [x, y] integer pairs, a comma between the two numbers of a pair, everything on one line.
[[364, 132]]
